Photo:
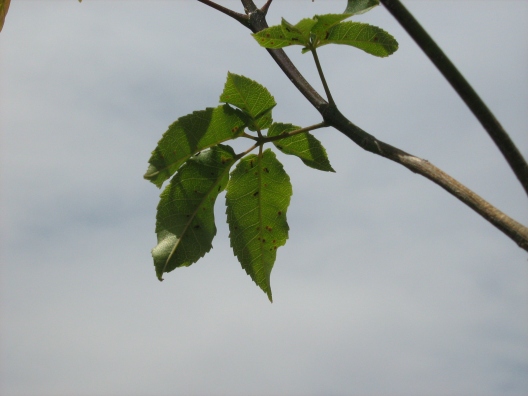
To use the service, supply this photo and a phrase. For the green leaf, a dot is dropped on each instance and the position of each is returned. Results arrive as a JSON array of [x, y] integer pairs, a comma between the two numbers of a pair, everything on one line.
[[190, 134], [360, 6], [303, 145], [258, 195], [248, 95], [325, 22], [302, 30], [274, 38], [185, 219], [370, 39]]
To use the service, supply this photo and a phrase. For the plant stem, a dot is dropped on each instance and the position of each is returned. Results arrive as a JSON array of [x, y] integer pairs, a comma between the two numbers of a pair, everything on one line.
[[243, 19], [321, 75], [495, 130], [292, 133]]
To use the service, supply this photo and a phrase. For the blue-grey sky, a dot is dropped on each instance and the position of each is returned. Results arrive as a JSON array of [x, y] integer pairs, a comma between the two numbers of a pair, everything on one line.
[[387, 285]]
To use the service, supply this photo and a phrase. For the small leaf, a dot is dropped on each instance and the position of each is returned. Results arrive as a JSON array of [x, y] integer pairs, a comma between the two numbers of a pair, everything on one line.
[[185, 218], [303, 145], [360, 6], [4, 6], [370, 39], [190, 134], [248, 95], [258, 195]]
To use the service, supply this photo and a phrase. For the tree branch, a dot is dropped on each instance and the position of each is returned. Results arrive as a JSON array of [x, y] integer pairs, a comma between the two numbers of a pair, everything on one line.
[[495, 130], [333, 117]]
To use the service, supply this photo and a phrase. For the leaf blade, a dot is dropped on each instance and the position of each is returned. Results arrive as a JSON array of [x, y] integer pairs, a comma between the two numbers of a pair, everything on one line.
[[303, 145], [356, 7], [190, 134], [185, 217], [368, 38], [258, 195]]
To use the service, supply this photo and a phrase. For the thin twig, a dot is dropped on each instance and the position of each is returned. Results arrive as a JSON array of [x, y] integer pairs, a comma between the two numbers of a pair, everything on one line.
[[243, 19], [321, 75], [293, 133], [477, 106]]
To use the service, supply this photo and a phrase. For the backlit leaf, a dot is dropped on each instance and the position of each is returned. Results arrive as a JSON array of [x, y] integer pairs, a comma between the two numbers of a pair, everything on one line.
[[370, 39], [190, 134], [323, 23], [360, 6], [248, 95], [303, 145], [185, 219], [258, 195]]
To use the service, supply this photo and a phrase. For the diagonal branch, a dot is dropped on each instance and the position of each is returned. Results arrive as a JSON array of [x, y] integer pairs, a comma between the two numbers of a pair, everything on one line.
[[495, 130], [333, 117]]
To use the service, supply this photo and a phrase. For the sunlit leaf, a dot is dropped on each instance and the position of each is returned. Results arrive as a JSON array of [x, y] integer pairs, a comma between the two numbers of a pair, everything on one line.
[[360, 6], [370, 39], [303, 145], [190, 134], [258, 195], [323, 23], [185, 219], [250, 97]]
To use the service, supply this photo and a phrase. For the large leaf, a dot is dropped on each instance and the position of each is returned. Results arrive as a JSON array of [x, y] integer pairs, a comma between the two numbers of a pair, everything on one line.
[[303, 145], [185, 220], [190, 134], [258, 195], [4, 6], [250, 97], [370, 39], [360, 6]]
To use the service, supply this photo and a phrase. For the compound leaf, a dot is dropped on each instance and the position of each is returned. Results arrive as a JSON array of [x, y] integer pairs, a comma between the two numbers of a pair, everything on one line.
[[303, 145], [258, 195], [185, 219], [191, 134], [250, 97], [370, 39], [360, 6]]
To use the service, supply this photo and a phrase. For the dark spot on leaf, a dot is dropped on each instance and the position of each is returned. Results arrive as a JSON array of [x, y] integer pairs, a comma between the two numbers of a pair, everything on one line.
[[197, 154], [234, 129], [274, 241], [251, 163], [255, 193], [267, 35], [279, 147], [295, 39], [197, 226], [275, 247], [266, 170], [279, 213], [263, 240]]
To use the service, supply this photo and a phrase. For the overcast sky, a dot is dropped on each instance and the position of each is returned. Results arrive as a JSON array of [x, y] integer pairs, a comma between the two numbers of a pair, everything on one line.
[[387, 285]]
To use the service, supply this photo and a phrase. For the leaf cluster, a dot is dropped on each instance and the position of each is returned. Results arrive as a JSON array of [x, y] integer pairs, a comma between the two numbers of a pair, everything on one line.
[[192, 155], [311, 33]]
